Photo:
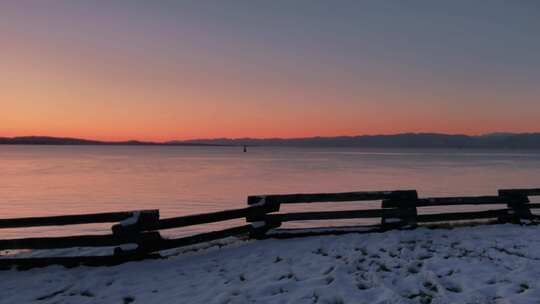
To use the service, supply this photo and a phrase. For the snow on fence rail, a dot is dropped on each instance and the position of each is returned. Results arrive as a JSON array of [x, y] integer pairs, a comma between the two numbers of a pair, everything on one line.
[[399, 209]]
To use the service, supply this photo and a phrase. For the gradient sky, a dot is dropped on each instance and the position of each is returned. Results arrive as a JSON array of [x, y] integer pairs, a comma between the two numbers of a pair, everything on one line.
[[160, 70]]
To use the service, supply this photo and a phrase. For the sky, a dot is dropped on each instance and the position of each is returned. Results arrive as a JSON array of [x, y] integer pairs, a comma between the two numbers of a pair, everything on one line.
[[164, 70]]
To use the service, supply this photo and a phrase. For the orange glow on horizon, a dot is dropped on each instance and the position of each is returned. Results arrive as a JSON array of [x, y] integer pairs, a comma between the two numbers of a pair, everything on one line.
[[117, 82]]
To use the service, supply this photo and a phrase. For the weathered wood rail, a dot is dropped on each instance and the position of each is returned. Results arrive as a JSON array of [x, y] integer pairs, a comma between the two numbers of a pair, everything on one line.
[[398, 210]]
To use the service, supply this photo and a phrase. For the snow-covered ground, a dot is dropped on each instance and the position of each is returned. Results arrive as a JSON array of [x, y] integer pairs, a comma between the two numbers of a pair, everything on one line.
[[482, 264]]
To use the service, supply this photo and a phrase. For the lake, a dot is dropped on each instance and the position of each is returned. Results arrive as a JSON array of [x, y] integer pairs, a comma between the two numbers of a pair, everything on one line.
[[53, 180]]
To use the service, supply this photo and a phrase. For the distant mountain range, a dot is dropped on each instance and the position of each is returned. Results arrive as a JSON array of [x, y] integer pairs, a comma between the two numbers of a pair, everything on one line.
[[47, 140], [407, 140]]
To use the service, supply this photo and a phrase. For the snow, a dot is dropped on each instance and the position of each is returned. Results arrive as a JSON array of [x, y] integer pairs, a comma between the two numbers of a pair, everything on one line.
[[132, 220], [482, 264], [261, 202]]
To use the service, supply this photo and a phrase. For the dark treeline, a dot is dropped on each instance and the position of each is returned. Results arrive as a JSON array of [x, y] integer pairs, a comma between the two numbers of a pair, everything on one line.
[[409, 140], [47, 140]]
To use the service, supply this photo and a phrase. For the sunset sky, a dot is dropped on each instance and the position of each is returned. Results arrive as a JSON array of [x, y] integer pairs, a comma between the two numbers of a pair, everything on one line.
[[163, 70]]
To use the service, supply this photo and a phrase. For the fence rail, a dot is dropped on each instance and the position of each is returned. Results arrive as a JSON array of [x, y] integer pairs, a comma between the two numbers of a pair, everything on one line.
[[77, 219], [398, 209]]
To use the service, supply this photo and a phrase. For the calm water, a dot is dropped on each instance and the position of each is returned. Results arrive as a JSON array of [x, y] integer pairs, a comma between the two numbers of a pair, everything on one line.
[[51, 180]]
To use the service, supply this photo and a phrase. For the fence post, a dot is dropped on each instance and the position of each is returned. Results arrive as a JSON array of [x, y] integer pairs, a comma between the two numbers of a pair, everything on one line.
[[261, 224], [130, 229], [138, 221], [405, 204], [518, 206]]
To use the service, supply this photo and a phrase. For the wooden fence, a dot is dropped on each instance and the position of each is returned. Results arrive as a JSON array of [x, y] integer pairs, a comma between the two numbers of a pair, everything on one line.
[[398, 209]]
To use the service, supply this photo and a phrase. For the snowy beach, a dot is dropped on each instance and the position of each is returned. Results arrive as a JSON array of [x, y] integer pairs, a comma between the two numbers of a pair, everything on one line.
[[482, 264]]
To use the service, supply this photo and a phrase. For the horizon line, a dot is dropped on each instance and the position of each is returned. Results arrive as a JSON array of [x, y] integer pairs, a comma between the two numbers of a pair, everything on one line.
[[267, 138]]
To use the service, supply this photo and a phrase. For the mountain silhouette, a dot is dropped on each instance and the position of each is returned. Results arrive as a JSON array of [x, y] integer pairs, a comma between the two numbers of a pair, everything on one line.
[[406, 140]]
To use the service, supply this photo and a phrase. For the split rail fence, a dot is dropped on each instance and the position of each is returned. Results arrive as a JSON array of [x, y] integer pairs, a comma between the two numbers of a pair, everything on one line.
[[398, 210]]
